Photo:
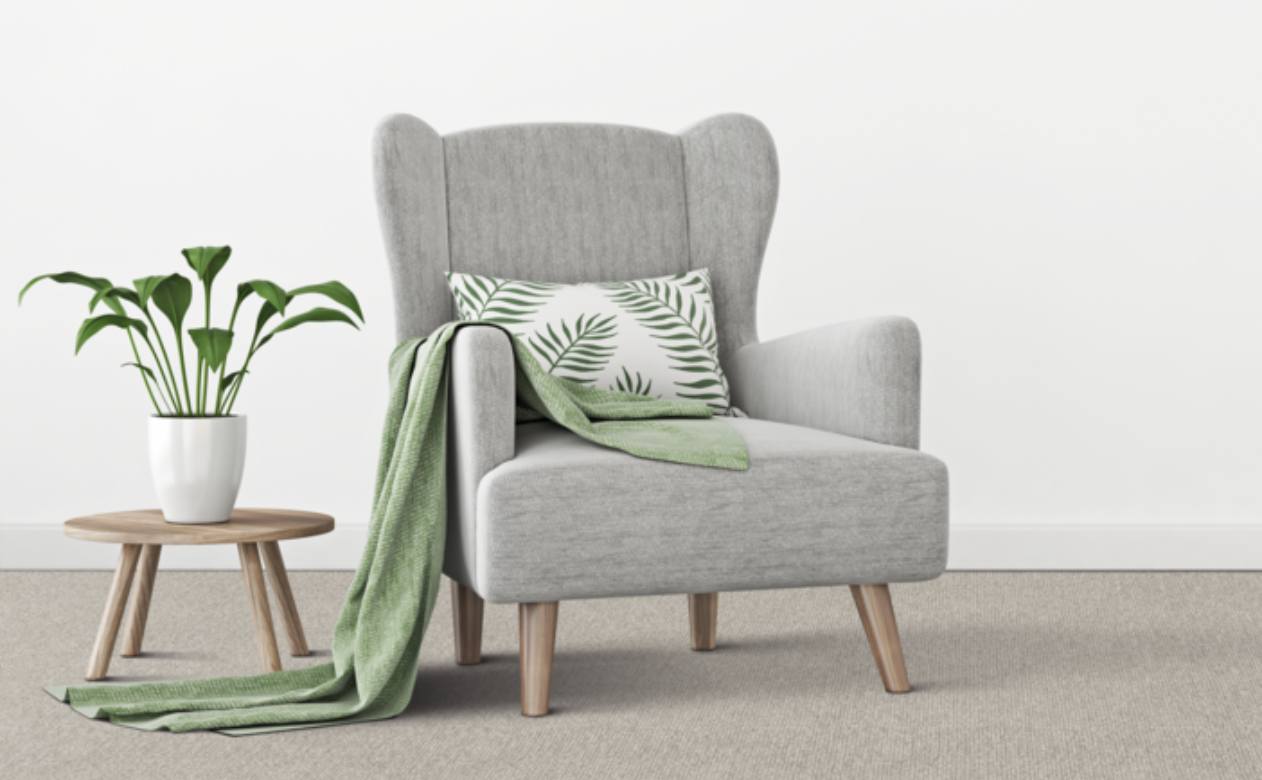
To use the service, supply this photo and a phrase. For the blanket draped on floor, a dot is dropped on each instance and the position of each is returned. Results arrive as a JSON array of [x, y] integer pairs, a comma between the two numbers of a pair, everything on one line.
[[378, 635]]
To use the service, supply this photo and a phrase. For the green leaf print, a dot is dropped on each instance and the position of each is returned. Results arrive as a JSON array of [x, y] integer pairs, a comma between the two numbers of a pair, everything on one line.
[[682, 328], [577, 353], [502, 301], [624, 382]]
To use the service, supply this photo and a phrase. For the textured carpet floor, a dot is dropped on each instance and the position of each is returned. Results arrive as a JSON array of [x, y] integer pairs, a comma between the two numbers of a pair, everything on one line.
[[1016, 675]]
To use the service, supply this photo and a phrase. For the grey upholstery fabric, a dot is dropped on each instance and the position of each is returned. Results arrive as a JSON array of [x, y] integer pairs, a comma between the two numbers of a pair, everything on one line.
[[568, 519], [562, 519], [483, 402], [566, 203], [733, 178], [409, 170], [860, 378]]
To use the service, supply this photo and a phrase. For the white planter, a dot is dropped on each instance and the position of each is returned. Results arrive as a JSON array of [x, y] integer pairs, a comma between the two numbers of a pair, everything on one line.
[[197, 464]]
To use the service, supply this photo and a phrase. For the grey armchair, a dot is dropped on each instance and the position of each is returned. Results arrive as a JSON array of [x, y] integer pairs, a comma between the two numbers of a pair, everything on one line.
[[836, 493]]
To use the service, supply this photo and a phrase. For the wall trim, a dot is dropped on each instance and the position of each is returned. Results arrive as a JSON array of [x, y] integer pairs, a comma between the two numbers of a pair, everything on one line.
[[1130, 547], [973, 547]]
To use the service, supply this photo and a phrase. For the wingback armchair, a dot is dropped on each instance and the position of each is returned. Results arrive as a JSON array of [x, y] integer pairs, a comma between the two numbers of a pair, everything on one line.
[[837, 491]]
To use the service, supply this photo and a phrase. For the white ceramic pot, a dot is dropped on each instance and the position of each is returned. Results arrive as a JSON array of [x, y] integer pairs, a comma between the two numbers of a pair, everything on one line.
[[197, 464]]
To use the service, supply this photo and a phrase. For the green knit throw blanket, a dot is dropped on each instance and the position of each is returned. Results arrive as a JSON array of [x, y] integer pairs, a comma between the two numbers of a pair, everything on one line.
[[378, 634]]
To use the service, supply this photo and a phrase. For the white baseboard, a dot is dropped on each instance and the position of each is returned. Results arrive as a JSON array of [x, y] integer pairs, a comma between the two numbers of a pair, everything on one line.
[[973, 547], [1105, 547]]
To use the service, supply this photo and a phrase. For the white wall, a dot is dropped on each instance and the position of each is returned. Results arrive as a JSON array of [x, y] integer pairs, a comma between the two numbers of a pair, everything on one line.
[[1065, 196]]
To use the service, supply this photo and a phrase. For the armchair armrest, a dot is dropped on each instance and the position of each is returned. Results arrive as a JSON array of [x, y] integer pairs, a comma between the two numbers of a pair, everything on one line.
[[858, 378], [482, 397]]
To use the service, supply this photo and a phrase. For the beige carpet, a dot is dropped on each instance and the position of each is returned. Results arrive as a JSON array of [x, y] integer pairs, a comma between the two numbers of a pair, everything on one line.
[[1016, 675]]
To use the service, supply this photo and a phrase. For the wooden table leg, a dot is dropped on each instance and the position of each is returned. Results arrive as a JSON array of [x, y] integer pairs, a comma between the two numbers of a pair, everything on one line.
[[252, 568], [112, 618], [284, 597], [140, 597]]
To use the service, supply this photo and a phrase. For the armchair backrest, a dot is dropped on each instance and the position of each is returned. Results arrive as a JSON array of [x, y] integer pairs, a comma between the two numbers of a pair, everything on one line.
[[574, 203]]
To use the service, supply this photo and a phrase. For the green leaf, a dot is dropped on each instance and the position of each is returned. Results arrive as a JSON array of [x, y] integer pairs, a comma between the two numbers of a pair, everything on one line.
[[334, 291], [97, 283], [145, 286], [318, 314], [213, 344], [145, 370], [111, 296], [502, 301], [173, 295], [227, 381], [266, 312], [207, 261], [681, 328], [638, 386], [94, 325], [579, 352], [706, 397], [271, 292]]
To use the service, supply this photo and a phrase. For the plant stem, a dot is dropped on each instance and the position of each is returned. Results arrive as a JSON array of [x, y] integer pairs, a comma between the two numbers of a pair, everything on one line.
[[188, 398], [143, 376], [173, 387], [171, 398], [201, 401], [223, 367], [221, 396], [236, 386], [219, 387], [171, 391]]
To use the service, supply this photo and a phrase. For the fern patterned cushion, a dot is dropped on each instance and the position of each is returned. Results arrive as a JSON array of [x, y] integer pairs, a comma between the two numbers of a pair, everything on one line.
[[653, 337]]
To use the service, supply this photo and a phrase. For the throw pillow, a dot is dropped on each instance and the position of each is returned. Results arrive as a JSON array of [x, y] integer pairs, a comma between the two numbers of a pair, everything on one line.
[[653, 337]]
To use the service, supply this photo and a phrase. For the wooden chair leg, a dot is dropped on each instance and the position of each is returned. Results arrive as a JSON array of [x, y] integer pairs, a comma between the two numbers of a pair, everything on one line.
[[252, 568], [279, 577], [703, 616], [877, 613], [466, 615], [537, 635], [112, 618], [141, 595]]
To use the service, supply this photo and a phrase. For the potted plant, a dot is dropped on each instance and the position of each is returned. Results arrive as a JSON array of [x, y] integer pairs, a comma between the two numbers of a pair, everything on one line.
[[196, 443]]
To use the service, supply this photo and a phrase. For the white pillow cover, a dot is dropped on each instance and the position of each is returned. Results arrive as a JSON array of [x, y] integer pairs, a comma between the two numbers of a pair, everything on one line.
[[653, 337]]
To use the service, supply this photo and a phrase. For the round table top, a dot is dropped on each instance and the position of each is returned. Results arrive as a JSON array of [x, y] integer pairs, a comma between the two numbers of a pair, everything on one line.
[[146, 526]]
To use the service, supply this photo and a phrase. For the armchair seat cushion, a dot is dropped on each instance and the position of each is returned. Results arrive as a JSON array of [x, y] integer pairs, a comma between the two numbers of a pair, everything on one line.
[[567, 519]]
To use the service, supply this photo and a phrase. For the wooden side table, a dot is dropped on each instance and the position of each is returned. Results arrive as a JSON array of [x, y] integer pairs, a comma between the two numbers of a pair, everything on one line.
[[143, 533]]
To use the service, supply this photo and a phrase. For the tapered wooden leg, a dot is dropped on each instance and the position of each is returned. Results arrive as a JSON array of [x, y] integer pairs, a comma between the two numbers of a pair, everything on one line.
[[703, 615], [284, 598], [252, 568], [466, 614], [141, 595], [877, 613], [112, 618], [537, 635]]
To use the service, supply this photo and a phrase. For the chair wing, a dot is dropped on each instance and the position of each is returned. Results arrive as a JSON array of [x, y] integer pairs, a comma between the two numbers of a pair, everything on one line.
[[576, 202]]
